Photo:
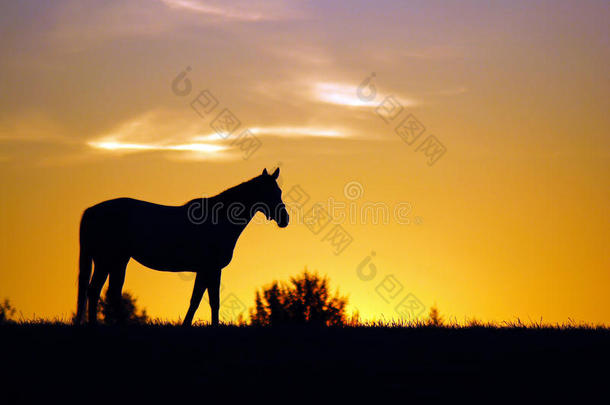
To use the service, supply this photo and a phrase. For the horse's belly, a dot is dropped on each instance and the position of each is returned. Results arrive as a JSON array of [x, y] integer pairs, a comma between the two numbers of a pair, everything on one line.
[[172, 245], [175, 260], [168, 258], [165, 265]]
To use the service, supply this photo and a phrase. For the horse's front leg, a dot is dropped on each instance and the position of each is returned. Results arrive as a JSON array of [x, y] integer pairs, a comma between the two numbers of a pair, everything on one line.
[[198, 290], [214, 293]]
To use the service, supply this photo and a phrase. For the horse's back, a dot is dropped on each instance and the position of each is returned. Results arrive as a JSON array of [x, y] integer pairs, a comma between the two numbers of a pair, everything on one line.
[[121, 222], [129, 207]]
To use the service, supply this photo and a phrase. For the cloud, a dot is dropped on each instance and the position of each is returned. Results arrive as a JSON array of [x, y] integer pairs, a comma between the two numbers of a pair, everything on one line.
[[156, 130], [80, 26], [299, 132], [192, 147], [347, 95], [337, 93], [237, 10], [175, 132], [160, 130]]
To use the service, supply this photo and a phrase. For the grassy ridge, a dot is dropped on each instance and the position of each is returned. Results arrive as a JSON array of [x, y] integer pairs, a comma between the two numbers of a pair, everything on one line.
[[54, 360]]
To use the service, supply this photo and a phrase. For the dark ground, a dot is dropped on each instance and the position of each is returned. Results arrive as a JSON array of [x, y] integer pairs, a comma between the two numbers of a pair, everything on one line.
[[52, 363]]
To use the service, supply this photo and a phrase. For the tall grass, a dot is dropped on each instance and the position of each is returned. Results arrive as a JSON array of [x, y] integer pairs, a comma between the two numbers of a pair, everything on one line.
[[376, 323]]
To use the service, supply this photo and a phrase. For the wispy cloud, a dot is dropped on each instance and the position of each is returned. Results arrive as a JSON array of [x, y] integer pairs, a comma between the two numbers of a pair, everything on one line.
[[299, 132], [192, 147], [346, 95], [239, 10], [159, 131], [337, 93]]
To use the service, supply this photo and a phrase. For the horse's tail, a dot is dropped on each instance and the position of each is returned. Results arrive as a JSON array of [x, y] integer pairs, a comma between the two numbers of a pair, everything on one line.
[[84, 271]]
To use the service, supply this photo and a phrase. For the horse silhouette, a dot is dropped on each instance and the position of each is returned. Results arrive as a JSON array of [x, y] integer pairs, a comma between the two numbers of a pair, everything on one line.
[[199, 236]]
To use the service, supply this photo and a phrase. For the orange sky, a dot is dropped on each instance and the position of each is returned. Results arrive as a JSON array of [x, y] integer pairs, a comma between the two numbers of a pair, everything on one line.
[[511, 221]]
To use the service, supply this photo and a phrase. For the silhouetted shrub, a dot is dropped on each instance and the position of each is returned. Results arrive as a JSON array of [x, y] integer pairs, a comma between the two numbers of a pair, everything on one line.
[[305, 300], [435, 318], [7, 311], [126, 312]]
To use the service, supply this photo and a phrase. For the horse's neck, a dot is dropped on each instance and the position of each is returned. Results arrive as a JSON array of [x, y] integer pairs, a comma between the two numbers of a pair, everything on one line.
[[239, 217], [233, 224]]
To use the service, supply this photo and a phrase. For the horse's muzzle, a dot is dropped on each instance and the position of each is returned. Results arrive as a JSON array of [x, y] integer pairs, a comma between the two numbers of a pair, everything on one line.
[[283, 219]]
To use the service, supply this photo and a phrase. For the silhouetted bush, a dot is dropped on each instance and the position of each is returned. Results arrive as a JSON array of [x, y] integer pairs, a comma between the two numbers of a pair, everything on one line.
[[305, 300], [435, 318], [6, 311], [126, 312]]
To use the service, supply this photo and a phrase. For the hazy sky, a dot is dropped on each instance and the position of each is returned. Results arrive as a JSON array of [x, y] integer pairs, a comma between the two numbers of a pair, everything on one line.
[[511, 221]]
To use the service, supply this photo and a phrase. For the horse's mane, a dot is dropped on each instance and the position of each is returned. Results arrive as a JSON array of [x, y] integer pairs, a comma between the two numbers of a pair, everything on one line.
[[233, 193]]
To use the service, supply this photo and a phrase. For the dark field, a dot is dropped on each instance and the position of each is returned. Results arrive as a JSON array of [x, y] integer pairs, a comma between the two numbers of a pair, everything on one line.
[[45, 362]]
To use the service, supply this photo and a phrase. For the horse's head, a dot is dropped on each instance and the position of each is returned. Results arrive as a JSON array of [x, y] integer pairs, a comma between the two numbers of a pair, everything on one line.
[[272, 205]]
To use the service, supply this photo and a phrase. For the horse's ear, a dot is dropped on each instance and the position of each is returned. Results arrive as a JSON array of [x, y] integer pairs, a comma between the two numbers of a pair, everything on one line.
[[276, 173], [265, 172]]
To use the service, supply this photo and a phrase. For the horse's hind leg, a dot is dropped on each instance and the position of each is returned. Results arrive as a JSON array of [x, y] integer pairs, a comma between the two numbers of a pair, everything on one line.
[[115, 287], [95, 288]]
